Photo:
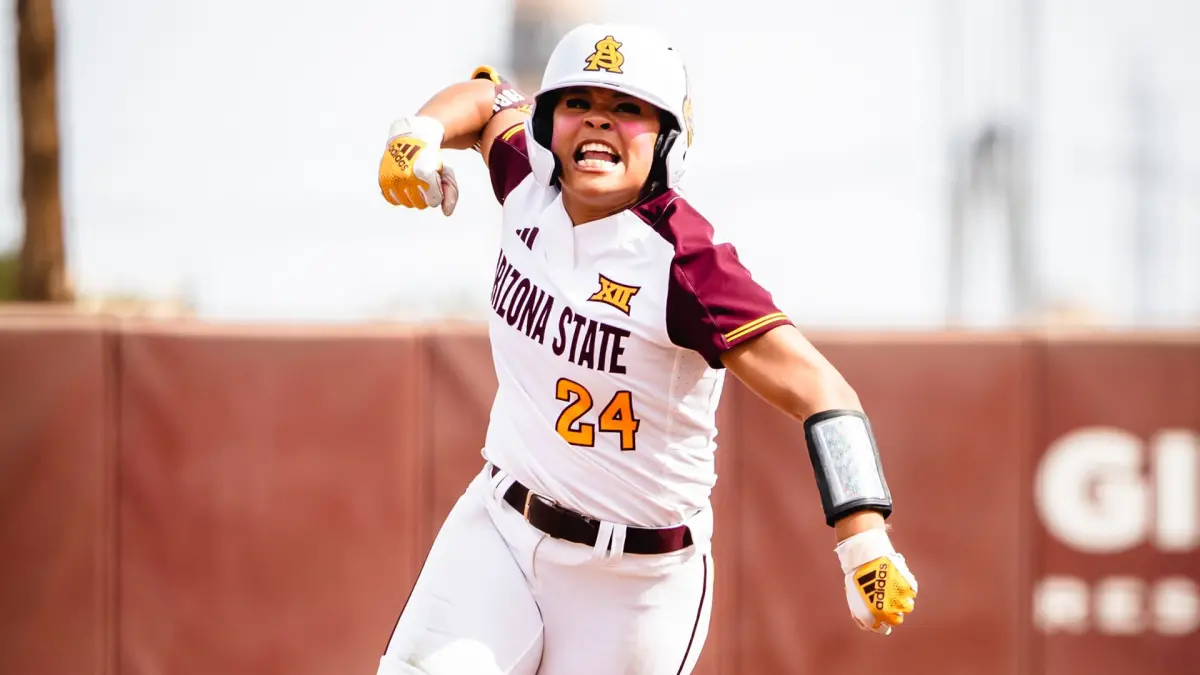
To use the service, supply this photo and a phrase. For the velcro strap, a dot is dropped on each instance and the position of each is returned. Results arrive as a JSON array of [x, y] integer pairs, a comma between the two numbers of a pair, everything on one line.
[[862, 548]]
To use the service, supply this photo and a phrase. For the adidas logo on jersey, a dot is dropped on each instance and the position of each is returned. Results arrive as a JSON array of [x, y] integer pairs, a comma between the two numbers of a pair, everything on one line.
[[527, 235], [874, 585]]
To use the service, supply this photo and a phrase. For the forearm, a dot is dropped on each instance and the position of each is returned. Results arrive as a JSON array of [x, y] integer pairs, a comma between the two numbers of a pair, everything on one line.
[[464, 109], [815, 387]]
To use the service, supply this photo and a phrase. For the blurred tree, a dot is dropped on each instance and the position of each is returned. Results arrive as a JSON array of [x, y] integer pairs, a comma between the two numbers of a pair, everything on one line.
[[537, 27], [42, 271], [8, 275]]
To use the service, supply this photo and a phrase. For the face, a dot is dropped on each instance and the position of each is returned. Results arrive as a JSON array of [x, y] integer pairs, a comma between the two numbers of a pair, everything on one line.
[[605, 143]]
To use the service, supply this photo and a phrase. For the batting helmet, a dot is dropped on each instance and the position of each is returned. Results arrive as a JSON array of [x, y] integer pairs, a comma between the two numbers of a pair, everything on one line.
[[630, 59]]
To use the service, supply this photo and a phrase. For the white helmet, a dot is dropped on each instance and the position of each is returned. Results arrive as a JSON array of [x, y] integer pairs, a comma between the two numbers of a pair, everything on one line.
[[630, 59]]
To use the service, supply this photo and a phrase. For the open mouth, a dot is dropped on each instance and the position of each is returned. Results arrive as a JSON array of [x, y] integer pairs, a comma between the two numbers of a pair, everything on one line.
[[596, 156]]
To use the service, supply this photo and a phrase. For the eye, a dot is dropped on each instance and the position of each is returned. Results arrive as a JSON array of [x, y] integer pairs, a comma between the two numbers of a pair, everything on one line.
[[576, 103], [629, 108]]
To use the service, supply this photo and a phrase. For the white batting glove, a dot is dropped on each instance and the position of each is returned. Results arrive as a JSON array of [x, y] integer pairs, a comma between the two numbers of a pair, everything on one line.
[[411, 171], [879, 587]]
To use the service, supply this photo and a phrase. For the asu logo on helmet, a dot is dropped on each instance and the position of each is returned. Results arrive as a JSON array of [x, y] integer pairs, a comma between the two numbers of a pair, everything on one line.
[[607, 56]]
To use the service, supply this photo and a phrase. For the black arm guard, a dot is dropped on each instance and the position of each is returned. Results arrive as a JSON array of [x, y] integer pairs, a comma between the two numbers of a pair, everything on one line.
[[846, 463]]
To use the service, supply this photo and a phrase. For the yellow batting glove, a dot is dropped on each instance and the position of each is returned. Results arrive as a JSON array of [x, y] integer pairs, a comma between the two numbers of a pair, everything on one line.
[[411, 172], [880, 589]]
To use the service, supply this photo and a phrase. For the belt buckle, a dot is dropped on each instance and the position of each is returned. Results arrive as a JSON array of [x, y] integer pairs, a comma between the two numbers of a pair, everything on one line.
[[530, 495]]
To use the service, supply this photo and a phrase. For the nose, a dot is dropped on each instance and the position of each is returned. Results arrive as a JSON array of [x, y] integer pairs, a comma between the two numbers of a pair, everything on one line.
[[598, 122]]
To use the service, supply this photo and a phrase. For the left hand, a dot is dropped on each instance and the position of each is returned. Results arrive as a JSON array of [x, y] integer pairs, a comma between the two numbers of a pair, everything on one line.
[[880, 589]]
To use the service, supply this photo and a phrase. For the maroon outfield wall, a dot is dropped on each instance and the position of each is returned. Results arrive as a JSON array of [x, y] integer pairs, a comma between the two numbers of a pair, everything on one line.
[[195, 499]]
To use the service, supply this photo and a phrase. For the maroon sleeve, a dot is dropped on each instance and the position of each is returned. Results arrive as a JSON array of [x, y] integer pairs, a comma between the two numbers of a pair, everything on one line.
[[713, 303], [508, 161]]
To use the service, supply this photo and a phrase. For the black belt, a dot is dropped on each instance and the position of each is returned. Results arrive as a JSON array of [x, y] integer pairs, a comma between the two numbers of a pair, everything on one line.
[[568, 525]]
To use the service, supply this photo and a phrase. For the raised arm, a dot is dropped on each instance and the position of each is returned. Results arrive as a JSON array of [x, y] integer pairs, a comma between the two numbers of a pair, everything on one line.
[[469, 114], [475, 112]]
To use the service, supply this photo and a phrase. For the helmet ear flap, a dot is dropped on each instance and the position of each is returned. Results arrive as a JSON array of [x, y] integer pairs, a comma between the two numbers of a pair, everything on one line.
[[668, 132], [668, 135], [543, 128]]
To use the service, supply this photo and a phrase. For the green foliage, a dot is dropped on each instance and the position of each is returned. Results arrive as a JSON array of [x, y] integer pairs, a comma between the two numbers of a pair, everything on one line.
[[8, 275]]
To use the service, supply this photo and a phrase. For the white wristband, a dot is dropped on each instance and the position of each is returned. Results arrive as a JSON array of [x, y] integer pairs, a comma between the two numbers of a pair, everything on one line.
[[862, 548], [425, 128]]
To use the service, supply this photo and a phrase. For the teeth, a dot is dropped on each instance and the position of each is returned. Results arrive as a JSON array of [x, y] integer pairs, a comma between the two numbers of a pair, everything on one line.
[[598, 147], [596, 163], [603, 166], [597, 156]]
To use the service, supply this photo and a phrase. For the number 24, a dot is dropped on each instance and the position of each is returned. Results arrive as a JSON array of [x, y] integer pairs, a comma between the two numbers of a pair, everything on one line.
[[617, 416]]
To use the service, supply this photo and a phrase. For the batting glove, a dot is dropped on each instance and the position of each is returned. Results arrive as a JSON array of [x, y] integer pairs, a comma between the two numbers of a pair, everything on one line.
[[411, 172], [879, 587]]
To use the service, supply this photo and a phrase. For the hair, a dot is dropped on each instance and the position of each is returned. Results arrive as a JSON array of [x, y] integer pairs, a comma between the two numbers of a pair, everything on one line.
[[668, 133]]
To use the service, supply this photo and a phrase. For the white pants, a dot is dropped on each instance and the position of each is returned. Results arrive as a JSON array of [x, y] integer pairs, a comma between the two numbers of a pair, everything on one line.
[[497, 596]]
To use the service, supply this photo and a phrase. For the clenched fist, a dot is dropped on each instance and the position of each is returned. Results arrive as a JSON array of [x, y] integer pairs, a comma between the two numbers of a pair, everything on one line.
[[880, 589], [411, 172]]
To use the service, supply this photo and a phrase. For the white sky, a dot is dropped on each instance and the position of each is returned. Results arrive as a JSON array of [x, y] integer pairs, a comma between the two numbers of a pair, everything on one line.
[[208, 142]]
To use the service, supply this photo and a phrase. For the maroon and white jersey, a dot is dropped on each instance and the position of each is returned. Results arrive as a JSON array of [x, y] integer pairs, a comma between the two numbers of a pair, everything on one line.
[[607, 340]]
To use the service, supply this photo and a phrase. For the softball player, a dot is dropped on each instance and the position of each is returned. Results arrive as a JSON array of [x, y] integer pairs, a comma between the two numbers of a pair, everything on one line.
[[582, 547]]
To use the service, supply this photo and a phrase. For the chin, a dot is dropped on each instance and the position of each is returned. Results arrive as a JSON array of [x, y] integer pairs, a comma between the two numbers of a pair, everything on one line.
[[598, 186]]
